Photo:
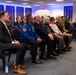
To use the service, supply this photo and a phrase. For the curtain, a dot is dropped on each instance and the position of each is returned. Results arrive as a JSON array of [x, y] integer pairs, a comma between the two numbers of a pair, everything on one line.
[[28, 11], [20, 11], [68, 11], [1, 7], [11, 10]]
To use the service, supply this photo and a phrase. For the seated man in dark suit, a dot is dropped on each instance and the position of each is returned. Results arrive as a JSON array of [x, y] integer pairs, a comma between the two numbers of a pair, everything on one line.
[[48, 40], [7, 42], [68, 25]]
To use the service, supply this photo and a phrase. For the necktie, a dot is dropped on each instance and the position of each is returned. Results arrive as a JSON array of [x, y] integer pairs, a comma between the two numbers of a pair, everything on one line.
[[8, 31]]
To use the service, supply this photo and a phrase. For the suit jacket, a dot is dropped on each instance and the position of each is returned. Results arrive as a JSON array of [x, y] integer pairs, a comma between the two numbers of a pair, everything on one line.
[[60, 26], [17, 24], [22, 23], [47, 28], [41, 31], [5, 38], [67, 25]]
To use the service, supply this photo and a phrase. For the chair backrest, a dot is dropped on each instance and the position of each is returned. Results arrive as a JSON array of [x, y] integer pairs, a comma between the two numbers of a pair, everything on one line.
[[16, 33]]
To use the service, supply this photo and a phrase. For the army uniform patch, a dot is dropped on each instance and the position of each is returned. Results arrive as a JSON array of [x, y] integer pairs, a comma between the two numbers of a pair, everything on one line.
[[24, 29]]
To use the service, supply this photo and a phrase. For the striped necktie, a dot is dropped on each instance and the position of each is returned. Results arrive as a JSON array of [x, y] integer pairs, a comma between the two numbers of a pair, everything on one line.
[[8, 31]]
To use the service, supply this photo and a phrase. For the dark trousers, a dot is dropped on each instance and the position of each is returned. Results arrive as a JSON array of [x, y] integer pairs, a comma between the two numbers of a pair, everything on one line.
[[60, 42], [50, 47], [34, 45], [42, 48], [20, 52], [66, 39]]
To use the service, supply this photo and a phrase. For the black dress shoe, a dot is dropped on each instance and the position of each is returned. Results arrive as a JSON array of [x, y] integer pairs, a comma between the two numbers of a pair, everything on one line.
[[55, 54], [62, 52], [36, 61], [57, 51], [52, 57], [44, 58], [65, 49], [68, 50]]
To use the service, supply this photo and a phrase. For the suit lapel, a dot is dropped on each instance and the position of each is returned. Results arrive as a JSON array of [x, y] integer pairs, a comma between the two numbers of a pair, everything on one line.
[[5, 26]]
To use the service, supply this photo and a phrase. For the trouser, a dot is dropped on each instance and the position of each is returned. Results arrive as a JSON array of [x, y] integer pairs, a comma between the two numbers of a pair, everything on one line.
[[69, 36], [20, 49], [60, 42], [42, 48], [67, 40], [50, 47], [34, 46]]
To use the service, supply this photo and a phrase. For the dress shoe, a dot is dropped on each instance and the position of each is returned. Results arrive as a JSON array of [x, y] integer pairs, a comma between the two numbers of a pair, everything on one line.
[[57, 51], [44, 58], [21, 66], [18, 70], [62, 52], [65, 49], [70, 47], [55, 54], [52, 57], [68, 50], [36, 61]]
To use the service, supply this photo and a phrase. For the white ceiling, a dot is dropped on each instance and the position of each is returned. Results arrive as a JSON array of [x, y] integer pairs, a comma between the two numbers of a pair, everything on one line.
[[36, 2]]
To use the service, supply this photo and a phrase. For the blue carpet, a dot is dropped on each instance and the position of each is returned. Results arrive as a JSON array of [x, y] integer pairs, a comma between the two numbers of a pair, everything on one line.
[[64, 65]]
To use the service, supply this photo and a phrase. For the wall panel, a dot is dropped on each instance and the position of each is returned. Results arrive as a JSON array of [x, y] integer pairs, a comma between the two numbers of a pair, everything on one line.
[[19, 11], [1, 7], [11, 10]]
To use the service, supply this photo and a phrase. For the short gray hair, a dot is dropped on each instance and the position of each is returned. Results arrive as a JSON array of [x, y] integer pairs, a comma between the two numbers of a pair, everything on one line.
[[45, 20]]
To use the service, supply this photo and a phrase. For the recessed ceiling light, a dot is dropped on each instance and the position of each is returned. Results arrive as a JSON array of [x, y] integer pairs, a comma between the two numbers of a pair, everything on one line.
[[28, 6], [36, 5], [24, 3], [51, 4], [40, 2], [25, 0], [59, 0], [8, 1]]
